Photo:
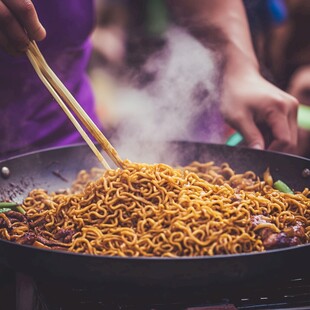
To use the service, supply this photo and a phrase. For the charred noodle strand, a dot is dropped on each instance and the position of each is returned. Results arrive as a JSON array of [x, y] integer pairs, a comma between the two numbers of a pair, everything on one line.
[[7, 236], [157, 210]]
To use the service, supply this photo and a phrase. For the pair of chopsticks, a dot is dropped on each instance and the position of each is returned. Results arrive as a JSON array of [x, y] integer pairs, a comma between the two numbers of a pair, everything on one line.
[[65, 99]]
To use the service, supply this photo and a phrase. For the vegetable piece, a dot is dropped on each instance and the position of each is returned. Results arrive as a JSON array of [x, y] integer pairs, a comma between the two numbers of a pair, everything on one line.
[[282, 187], [6, 204], [4, 210], [20, 209]]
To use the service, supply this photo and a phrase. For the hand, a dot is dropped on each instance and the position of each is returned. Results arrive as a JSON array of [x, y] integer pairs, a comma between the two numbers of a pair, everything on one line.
[[250, 103], [19, 23]]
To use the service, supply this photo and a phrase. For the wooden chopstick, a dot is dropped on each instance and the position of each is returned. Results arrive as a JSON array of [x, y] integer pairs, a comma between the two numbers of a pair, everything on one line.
[[67, 111], [63, 97]]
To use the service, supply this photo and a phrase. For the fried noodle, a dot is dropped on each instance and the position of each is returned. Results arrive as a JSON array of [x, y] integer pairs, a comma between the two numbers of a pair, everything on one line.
[[157, 210]]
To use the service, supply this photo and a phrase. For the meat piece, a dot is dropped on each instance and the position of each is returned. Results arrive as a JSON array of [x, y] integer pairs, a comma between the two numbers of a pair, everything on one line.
[[265, 233], [39, 222], [296, 231], [5, 221], [280, 240], [49, 242], [16, 215], [290, 236], [64, 235], [43, 246], [28, 238]]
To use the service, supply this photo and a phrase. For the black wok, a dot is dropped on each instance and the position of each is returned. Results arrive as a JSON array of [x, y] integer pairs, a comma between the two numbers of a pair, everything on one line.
[[54, 169]]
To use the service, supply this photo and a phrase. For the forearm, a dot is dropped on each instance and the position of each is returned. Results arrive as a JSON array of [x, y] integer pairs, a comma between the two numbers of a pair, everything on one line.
[[221, 24], [248, 100]]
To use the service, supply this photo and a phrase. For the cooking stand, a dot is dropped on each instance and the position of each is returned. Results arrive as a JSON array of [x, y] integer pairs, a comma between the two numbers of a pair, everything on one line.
[[38, 295]]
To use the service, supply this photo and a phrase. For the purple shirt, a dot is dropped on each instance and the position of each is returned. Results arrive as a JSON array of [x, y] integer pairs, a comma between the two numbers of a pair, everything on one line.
[[29, 117]]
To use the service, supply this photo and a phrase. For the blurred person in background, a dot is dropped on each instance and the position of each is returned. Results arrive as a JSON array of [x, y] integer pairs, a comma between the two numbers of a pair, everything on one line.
[[281, 38], [296, 68], [31, 120], [147, 34]]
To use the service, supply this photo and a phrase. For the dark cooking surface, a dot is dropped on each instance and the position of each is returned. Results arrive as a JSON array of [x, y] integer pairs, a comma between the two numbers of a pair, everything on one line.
[[55, 169], [290, 294]]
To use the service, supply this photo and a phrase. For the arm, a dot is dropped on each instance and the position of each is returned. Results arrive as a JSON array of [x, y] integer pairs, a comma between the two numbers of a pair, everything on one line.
[[248, 100], [19, 23]]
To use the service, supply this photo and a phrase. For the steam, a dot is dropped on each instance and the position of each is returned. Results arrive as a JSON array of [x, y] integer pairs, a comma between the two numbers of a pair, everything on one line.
[[180, 104]]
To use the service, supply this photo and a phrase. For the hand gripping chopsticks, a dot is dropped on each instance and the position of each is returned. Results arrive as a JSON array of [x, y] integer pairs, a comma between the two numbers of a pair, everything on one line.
[[62, 95]]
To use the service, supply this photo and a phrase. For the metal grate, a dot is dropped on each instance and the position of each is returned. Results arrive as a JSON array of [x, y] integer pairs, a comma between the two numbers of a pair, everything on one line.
[[293, 294], [290, 294]]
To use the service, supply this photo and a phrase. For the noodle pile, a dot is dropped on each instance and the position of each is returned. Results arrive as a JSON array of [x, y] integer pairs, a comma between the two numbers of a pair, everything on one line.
[[157, 210]]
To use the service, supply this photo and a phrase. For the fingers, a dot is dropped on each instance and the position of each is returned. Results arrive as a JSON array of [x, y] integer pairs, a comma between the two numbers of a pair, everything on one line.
[[14, 36], [284, 126], [248, 129], [265, 115], [26, 14], [281, 133], [19, 23], [278, 120]]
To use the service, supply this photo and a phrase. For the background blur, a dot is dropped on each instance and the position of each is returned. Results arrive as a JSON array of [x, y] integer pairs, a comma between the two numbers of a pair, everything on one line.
[[153, 81]]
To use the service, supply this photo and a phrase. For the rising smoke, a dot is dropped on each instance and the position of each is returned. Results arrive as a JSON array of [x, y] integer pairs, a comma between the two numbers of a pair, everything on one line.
[[179, 104]]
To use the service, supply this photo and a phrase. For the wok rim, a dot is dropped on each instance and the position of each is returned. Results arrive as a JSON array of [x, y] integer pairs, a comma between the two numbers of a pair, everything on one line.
[[78, 145], [158, 258]]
